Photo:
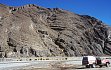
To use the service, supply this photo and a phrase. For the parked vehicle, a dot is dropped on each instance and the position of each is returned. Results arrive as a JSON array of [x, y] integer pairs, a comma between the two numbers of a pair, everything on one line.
[[103, 62], [89, 61], [92, 61]]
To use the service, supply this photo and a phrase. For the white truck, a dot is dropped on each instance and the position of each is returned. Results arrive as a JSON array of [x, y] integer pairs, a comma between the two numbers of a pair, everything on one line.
[[89, 61]]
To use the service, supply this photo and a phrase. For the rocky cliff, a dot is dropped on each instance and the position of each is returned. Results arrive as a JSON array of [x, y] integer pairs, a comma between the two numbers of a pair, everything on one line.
[[32, 30]]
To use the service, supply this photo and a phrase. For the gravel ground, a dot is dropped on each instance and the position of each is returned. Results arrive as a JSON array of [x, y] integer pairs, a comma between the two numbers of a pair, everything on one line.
[[65, 67], [52, 65], [69, 68], [59, 66]]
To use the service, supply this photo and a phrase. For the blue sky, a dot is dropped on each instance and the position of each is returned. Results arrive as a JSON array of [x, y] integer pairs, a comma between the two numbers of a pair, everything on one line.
[[101, 9]]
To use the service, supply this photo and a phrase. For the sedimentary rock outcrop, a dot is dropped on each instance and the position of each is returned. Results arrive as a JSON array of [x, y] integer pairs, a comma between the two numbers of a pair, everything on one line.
[[31, 30]]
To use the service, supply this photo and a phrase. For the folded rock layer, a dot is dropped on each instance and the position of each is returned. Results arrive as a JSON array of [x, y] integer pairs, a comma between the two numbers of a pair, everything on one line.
[[34, 31]]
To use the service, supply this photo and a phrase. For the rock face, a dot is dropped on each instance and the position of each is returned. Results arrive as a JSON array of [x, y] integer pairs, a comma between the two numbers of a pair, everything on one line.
[[31, 30]]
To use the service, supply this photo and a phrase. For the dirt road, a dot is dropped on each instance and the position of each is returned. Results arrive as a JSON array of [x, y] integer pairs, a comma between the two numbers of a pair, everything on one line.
[[68, 64]]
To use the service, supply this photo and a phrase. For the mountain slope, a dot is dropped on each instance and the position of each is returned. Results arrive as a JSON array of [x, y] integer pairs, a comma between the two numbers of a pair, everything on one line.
[[31, 30]]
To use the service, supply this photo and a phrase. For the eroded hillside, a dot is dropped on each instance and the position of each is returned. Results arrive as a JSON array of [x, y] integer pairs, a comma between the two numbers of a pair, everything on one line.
[[32, 30]]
